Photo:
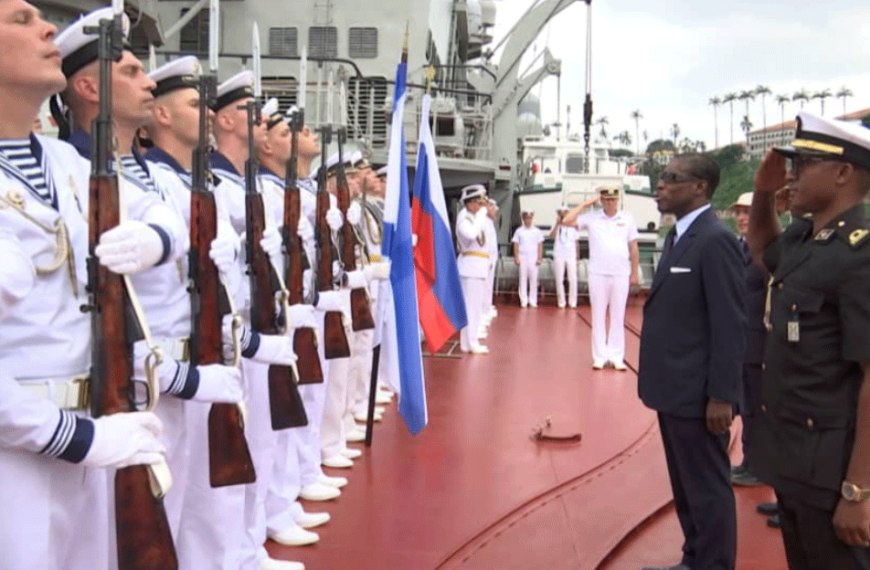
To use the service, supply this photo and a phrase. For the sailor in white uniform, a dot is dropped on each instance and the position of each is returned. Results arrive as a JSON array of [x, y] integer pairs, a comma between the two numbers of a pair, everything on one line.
[[489, 310], [55, 514], [613, 268], [473, 263], [565, 241], [285, 519], [528, 246]]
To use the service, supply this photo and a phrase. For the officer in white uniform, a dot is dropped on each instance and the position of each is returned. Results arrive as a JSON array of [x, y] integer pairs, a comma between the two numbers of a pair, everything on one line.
[[528, 245], [489, 311], [565, 238], [473, 263], [55, 514], [613, 268]]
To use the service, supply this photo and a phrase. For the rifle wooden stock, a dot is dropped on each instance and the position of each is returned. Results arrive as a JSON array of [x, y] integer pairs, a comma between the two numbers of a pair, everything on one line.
[[144, 540], [304, 339], [335, 343], [360, 304], [229, 460], [285, 403]]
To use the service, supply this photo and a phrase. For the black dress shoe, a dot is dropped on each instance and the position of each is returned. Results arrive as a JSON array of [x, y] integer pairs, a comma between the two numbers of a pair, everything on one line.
[[677, 567], [737, 470], [768, 509], [746, 479], [773, 521]]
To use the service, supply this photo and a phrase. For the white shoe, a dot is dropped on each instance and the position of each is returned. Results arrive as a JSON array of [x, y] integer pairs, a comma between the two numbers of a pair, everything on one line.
[[311, 520], [573, 306], [272, 564], [561, 305], [295, 536], [337, 462], [351, 453], [533, 305], [479, 349], [356, 436], [337, 482], [620, 365], [482, 335], [362, 417], [598, 365], [319, 492], [383, 398]]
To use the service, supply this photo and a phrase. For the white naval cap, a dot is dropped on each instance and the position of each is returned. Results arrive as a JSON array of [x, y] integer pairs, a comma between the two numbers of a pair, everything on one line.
[[239, 86], [291, 112], [180, 73], [331, 163], [473, 191], [819, 136], [77, 48], [272, 113], [382, 171]]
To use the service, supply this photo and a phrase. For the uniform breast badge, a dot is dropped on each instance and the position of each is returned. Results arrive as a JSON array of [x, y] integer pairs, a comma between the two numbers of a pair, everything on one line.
[[824, 235], [794, 326], [15, 198]]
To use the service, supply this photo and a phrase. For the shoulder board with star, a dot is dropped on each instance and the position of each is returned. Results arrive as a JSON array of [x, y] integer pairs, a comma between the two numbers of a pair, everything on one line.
[[856, 235]]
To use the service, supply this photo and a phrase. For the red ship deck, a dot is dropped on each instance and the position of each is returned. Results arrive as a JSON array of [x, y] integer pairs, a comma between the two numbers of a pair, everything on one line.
[[474, 492]]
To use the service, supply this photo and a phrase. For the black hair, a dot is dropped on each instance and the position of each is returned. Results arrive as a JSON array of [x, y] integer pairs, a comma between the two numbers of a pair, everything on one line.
[[702, 166]]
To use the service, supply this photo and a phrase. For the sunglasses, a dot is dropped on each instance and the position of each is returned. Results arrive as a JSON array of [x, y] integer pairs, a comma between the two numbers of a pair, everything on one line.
[[675, 178], [795, 164]]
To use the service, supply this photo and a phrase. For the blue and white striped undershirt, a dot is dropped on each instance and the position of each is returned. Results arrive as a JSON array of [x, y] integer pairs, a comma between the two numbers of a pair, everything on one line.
[[20, 154], [131, 165]]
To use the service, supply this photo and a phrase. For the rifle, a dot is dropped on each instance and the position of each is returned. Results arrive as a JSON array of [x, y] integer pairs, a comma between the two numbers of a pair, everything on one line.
[[144, 540], [335, 338], [230, 460], [360, 304], [304, 339], [285, 403]]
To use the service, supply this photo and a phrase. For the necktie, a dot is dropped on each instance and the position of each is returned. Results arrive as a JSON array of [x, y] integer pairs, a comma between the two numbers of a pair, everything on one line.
[[668, 246]]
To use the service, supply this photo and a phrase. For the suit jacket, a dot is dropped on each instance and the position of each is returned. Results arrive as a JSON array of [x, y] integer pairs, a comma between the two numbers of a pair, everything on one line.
[[693, 336]]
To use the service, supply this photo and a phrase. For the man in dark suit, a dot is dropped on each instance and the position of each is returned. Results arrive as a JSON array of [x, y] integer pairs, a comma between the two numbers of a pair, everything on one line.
[[691, 357]]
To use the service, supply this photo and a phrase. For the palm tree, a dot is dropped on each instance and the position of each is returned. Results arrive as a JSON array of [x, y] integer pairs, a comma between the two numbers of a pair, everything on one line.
[[803, 96], [636, 116], [687, 145], [781, 100], [764, 91], [746, 97], [623, 138], [844, 93], [730, 98], [746, 125], [700, 146], [715, 101], [602, 123], [821, 96], [675, 132]]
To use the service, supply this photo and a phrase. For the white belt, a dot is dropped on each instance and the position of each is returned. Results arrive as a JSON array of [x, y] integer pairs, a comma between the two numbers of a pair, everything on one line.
[[66, 393]]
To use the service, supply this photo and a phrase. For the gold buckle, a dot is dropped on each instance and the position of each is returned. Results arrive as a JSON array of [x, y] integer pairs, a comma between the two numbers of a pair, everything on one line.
[[84, 383]]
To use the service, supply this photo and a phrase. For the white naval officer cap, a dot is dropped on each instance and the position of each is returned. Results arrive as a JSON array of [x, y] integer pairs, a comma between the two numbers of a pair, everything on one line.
[[473, 191], [77, 48], [239, 86], [180, 73], [382, 171], [819, 136], [272, 113], [291, 112]]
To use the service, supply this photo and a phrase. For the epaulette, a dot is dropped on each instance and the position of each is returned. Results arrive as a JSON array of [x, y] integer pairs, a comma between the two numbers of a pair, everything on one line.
[[856, 235]]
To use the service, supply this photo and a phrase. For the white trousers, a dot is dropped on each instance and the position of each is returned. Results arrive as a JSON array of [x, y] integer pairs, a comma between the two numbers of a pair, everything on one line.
[[528, 282], [489, 291], [474, 291], [314, 399], [332, 429], [563, 264], [212, 520], [53, 514], [284, 487], [608, 292], [359, 372]]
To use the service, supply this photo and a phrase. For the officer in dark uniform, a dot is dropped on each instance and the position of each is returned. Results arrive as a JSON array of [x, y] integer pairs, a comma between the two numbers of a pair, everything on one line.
[[811, 437]]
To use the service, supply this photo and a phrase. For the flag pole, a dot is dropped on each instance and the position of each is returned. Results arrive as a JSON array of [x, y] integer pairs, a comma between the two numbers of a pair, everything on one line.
[[376, 351]]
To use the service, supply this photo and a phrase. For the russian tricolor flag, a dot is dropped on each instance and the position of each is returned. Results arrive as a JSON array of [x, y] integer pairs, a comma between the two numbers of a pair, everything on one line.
[[439, 291], [397, 325]]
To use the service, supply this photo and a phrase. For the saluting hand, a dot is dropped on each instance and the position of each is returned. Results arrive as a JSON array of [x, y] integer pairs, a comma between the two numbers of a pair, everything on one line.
[[852, 522], [770, 175], [719, 416]]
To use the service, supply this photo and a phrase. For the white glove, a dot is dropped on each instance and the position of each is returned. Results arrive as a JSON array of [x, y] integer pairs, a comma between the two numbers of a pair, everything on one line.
[[219, 384], [330, 301], [354, 213], [223, 253], [379, 270], [121, 440], [334, 219], [275, 349], [357, 279], [302, 315], [271, 243], [306, 232], [481, 214], [130, 247]]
